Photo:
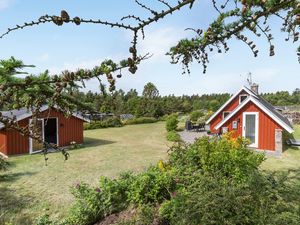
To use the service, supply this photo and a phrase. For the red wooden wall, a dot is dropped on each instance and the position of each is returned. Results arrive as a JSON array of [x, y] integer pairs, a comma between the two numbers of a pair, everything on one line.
[[69, 129], [230, 107], [266, 129]]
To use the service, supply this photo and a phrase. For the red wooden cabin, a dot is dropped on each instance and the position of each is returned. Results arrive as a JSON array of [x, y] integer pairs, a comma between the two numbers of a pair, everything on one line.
[[248, 115], [54, 126]]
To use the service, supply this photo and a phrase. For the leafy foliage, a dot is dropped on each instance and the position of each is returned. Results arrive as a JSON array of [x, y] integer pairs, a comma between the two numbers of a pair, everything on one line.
[[208, 182], [173, 136], [195, 115], [172, 122], [111, 122], [3, 163], [140, 120]]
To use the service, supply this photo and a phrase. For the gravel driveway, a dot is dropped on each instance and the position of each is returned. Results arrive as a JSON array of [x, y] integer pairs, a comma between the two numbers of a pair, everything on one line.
[[190, 136]]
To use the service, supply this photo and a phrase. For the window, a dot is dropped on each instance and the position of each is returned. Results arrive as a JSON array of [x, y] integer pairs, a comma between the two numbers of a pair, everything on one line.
[[226, 113], [243, 98]]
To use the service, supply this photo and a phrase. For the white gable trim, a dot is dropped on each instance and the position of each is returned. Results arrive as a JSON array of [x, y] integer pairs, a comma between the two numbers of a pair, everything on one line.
[[228, 101], [262, 107], [42, 109]]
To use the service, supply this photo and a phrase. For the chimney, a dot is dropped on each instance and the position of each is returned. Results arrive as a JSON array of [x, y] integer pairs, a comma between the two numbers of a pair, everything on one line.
[[254, 88]]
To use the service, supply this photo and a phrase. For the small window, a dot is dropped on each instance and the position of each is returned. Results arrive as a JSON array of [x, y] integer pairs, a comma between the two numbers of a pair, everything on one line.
[[243, 98], [225, 113]]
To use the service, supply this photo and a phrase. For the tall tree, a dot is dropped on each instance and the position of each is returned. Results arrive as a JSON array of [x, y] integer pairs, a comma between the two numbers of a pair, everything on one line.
[[150, 91]]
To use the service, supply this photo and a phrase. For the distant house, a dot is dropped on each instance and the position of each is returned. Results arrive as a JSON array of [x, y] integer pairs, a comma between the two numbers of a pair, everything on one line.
[[248, 115], [98, 116], [54, 126]]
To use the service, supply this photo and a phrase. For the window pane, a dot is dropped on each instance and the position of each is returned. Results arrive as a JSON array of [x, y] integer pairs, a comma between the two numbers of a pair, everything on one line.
[[250, 128]]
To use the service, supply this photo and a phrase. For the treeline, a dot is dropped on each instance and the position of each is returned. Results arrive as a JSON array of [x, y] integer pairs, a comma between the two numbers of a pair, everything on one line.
[[150, 103], [283, 98]]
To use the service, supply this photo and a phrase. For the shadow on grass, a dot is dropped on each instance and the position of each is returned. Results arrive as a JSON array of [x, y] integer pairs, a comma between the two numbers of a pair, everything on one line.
[[93, 142], [12, 204], [11, 177]]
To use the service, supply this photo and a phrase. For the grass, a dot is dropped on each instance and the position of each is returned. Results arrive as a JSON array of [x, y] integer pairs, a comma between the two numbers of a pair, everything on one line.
[[30, 188], [289, 160]]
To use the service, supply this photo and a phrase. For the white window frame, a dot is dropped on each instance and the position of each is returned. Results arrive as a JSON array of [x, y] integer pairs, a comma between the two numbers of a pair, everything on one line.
[[242, 95], [226, 112], [43, 130], [255, 144], [30, 139]]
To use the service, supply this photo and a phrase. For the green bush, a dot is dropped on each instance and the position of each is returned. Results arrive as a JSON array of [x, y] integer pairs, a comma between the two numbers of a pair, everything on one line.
[[173, 136], [111, 122], [263, 199], [140, 120], [3, 163], [152, 186], [172, 123], [93, 204], [195, 115], [209, 182]]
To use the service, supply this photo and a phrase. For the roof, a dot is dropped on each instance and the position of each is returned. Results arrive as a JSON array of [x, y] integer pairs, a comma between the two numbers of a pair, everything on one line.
[[263, 105], [24, 113]]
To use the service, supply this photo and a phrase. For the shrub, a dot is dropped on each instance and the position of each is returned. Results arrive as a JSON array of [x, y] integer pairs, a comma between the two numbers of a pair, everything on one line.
[[228, 156], [152, 186], [141, 120], [209, 182], [3, 163], [210, 200], [93, 204], [173, 136], [172, 123], [195, 115], [111, 122]]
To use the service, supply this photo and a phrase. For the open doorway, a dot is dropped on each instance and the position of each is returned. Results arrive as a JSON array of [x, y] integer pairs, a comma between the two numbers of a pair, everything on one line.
[[50, 129]]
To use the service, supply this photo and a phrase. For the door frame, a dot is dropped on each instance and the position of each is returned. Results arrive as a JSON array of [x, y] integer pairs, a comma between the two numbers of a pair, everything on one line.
[[30, 139], [43, 130], [255, 144]]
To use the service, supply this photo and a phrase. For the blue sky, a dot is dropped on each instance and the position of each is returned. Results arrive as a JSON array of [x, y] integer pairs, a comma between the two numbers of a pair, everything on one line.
[[71, 47]]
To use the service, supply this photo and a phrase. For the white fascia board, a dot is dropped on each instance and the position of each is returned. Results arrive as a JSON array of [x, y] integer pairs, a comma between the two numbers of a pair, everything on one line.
[[228, 101], [233, 112], [262, 107]]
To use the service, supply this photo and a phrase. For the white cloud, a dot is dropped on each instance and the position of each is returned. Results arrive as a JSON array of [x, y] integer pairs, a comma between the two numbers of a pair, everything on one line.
[[44, 57], [158, 42], [5, 4]]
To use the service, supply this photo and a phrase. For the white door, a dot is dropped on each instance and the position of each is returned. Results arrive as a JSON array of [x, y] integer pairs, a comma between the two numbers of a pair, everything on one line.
[[250, 128], [34, 145]]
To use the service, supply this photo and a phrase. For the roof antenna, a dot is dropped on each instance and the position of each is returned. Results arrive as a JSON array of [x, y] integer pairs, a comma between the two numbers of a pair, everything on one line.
[[249, 78]]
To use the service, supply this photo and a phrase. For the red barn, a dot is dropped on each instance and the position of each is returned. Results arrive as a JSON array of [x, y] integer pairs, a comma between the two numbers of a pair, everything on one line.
[[248, 115], [54, 126]]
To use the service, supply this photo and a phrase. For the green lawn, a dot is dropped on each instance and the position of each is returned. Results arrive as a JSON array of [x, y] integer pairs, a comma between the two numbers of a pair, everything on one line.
[[30, 188], [290, 159]]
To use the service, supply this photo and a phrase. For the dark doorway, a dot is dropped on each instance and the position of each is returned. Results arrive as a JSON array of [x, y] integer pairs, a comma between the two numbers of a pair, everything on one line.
[[50, 130]]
